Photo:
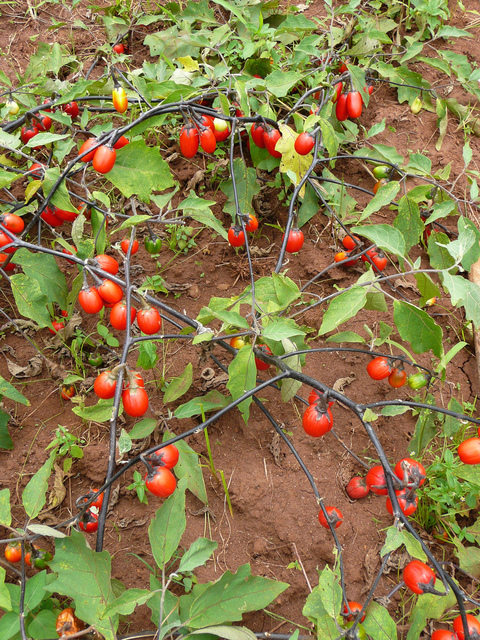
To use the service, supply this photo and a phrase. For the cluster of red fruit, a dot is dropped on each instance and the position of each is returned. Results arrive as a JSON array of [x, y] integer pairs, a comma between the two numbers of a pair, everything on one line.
[[374, 256], [34, 556], [205, 132], [14, 224], [134, 396], [42, 123], [159, 480], [89, 520]]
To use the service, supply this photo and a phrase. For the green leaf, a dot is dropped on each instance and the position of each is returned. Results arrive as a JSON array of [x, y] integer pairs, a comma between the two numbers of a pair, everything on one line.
[[85, 576], [180, 385], [418, 328], [428, 606], [46, 531], [309, 206], [5, 514], [289, 385], [242, 373], [147, 354], [139, 170], [5, 600], [330, 592], [451, 425], [247, 187], [168, 525], [315, 611], [33, 497], [408, 222], [124, 442], [198, 553], [10, 625], [60, 198], [425, 430], [30, 300], [188, 467], [233, 595], [378, 623], [43, 268], [275, 293], [143, 429], [200, 209], [99, 230], [282, 328], [466, 293], [346, 336], [382, 198], [466, 226], [440, 258], [428, 289], [170, 607], [394, 411], [43, 624], [211, 401], [280, 82], [100, 412], [468, 557], [127, 602], [384, 236], [395, 538], [6, 441], [342, 308], [229, 633]]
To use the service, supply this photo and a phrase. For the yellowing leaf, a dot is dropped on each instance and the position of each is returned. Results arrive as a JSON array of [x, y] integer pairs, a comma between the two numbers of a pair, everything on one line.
[[291, 162], [189, 64]]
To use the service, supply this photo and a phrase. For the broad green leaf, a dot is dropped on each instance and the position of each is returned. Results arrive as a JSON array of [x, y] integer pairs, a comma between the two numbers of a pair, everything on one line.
[[147, 354], [128, 602], [396, 538], [290, 386], [168, 525], [247, 187], [428, 606], [42, 139], [346, 336], [46, 531], [188, 466], [330, 592], [100, 412], [6, 441], [426, 429], [99, 230], [212, 401], [43, 625], [7, 177], [228, 633], [315, 611], [7, 390], [242, 373], [197, 554], [378, 623], [451, 425], [200, 209], [43, 268], [85, 576], [31, 301], [408, 222], [10, 625], [394, 410], [5, 514], [33, 497], [384, 236], [5, 600], [309, 206], [440, 258], [468, 558], [60, 198], [466, 293], [428, 289], [139, 170], [233, 595], [280, 329], [170, 606], [342, 308], [124, 442], [275, 293], [466, 226], [143, 429], [329, 137], [418, 328], [280, 82], [180, 385], [419, 164]]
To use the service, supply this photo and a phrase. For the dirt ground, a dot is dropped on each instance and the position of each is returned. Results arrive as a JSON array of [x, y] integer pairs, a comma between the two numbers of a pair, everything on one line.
[[274, 522]]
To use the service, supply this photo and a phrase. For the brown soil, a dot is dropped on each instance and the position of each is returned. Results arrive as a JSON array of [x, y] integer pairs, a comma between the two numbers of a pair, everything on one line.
[[274, 520]]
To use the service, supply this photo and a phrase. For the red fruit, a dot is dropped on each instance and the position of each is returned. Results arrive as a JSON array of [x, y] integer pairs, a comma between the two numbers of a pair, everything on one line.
[[316, 396], [208, 141], [295, 241], [118, 48], [410, 471], [418, 577], [407, 501], [43, 123], [378, 368], [121, 142], [443, 634], [4, 240], [317, 422], [90, 300], [135, 401], [341, 108], [357, 488], [304, 143], [252, 224], [343, 255], [37, 170], [107, 263], [469, 451], [338, 90], [189, 141], [14, 223], [118, 315], [355, 607], [71, 109], [56, 326], [270, 138], [334, 515], [167, 456], [125, 243], [13, 552], [397, 378], [473, 627], [110, 291], [67, 391], [88, 144], [236, 237], [50, 218], [10, 266], [349, 242], [105, 385], [257, 132], [379, 184], [161, 482], [376, 482], [260, 364], [104, 159], [149, 321], [28, 132], [89, 522], [222, 130], [68, 216], [354, 104]]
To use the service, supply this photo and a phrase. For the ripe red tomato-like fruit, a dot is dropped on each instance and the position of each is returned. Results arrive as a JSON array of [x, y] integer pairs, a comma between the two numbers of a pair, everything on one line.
[[295, 240], [110, 291], [376, 480], [410, 471], [222, 130], [118, 315], [149, 321], [56, 327], [473, 627], [98, 500], [341, 108], [37, 170], [104, 159], [13, 552], [407, 501], [118, 48], [379, 184], [90, 300], [135, 401], [66, 216], [317, 422], [28, 132], [125, 243], [13, 223], [236, 237], [107, 263], [67, 391], [121, 142], [161, 483], [71, 108], [166, 457], [380, 261], [119, 99], [343, 255], [105, 385], [4, 240], [418, 577], [89, 522], [50, 218], [189, 141], [469, 451], [316, 396], [334, 514], [443, 634], [88, 144], [355, 608], [252, 224], [354, 104], [338, 90], [397, 378], [208, 141], [257, 132], [10, 266], [378, 368], [304, 143], [43, 123], [260, 364], [357, 488], [349, 242], [270, 138]]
